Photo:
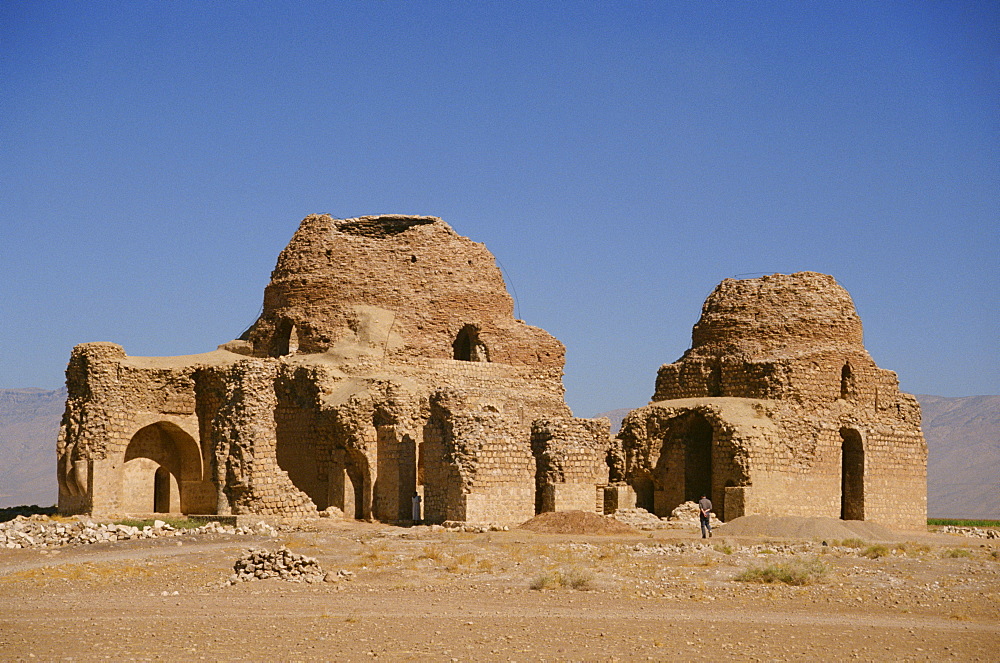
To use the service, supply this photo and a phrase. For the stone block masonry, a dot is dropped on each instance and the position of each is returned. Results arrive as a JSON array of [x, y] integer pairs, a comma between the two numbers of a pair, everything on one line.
[[777, 409], [387, 364]]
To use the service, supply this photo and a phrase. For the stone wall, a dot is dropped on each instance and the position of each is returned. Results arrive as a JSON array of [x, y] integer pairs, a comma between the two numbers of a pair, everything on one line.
[[571, 463], [798, 418], [387, 362]]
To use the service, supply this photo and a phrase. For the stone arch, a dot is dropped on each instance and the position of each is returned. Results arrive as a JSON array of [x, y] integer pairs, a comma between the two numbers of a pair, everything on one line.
[[350, 483], [162, 472], [468, 347], [683, 469], [286, 339], [852, 475], [847, 383]]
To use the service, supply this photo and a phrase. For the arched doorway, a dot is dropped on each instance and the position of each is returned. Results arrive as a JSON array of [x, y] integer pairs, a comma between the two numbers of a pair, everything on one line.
[[162, 473], [286, 339], [468, 347], [852, 475], [161, 490], [350, 483], [683, 471], [642, 484], [698, 460]]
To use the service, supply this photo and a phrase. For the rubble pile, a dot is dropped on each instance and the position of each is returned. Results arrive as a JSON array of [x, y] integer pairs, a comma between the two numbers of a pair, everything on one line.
[[477, 528], [281, 563], [684, 516], [40, 531], [640, 519], [689, 512], [977, 532]]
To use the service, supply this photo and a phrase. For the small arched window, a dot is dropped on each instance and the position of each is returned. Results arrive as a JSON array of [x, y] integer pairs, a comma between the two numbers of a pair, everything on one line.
[[468, 347], [846, 381], [286, 339]]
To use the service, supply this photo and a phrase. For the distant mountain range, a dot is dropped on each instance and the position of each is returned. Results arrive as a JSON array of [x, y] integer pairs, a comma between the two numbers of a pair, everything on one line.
[[29, 425], [963, 437]]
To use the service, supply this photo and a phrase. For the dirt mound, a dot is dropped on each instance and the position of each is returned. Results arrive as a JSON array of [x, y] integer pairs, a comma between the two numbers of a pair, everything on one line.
[[575, 522], [799, 527]]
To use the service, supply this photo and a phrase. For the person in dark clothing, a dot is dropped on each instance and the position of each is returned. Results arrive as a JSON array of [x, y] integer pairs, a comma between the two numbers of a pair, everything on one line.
[[705, 511]]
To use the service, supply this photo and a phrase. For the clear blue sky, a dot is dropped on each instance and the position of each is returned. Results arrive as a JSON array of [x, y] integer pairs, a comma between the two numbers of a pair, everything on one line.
[[620, 159]]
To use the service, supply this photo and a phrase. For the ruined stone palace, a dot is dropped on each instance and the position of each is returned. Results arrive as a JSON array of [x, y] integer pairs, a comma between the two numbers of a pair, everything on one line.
[[777, 409], [387, 363]]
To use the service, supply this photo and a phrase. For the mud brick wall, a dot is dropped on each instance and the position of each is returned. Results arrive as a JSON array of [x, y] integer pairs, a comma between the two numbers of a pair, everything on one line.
[[336, 276], [570, 463], [245, 441], [803, 421]]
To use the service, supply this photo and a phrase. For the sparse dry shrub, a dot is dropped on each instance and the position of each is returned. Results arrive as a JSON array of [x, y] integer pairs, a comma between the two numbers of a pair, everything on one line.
[[572, 578], [725, 548], [911, 548], [608, 553], [432, 552], [853, 543], [795, 572], [375, 554], [956, 553], [515, 552], [547, 580], [460, 562], [875, 551]]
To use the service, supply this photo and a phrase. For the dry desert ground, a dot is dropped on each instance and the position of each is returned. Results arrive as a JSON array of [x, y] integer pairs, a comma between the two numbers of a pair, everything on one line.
[[429, 594]]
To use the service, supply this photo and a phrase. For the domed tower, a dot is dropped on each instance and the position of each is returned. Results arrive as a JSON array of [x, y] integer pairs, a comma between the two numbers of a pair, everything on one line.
[[794, 336], [778, 409], [403, 287], [386, 365]]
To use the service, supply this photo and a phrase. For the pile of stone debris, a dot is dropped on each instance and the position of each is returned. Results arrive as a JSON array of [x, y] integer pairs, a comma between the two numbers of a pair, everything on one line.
[[685, 516], [478, 528], [971, 531], [283, 564], [40, 531]]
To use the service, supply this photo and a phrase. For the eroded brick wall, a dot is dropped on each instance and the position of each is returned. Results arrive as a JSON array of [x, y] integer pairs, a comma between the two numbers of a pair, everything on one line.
[[778, 365]]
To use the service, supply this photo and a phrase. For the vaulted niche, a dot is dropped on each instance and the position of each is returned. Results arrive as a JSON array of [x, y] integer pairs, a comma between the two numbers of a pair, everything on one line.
[[846, 382], [852, 475], [468, 347], [286, 339]]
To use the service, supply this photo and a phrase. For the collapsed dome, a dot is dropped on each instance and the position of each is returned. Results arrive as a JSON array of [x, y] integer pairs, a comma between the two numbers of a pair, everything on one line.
[[804, 311], [396, 286]]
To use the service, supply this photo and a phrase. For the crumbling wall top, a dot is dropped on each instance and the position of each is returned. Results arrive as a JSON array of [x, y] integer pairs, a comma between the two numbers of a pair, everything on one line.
[[403, 287], [779, 314]]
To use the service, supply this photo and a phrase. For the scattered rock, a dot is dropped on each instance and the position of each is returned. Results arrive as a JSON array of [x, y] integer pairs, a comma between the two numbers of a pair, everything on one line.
[[977, 532], [40, 531], [479, 528], [281, 563]]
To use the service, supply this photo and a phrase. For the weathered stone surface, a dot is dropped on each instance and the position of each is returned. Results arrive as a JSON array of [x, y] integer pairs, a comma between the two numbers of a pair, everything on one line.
[[777, 409], [386, 363]]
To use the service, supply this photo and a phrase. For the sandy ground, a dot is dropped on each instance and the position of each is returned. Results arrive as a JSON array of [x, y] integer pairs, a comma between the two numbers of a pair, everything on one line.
[[425, 595]]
